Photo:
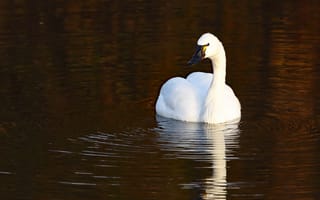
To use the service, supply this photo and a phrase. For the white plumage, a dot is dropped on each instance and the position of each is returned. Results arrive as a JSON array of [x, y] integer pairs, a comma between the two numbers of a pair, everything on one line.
[[201, 97]]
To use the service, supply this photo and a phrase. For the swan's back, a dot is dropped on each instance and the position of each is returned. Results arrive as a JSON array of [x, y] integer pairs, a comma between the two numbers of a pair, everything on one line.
[[179, 100], [201, 81]]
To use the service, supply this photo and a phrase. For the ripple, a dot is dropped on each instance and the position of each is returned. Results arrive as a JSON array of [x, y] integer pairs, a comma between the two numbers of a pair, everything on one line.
[[191, 157], [211, 144], [5, 173], [107, 158], [195, 140], [77, 183]]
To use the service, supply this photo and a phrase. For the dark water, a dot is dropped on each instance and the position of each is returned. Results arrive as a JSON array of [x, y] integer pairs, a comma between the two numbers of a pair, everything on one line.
[[79, 81]]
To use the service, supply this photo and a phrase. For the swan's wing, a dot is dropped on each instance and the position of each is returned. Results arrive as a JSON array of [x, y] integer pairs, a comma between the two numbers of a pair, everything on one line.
[[178, 99], [201, 81]]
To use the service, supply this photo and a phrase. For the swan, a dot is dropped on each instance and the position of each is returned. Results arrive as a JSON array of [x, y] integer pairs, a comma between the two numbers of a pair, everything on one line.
[[201, 97]]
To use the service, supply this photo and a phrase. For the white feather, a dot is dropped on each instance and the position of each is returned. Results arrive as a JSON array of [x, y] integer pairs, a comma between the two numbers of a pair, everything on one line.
[[201, 97]]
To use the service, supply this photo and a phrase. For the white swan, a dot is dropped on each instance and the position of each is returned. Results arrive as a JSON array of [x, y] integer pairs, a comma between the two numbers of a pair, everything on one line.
[[201, 97]]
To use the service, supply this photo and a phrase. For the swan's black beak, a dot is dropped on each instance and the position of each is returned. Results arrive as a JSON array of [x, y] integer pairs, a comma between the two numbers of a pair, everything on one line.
[[198, 55]]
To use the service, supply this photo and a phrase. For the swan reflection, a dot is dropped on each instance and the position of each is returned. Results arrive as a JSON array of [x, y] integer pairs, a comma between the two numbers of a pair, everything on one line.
[[202, 142]]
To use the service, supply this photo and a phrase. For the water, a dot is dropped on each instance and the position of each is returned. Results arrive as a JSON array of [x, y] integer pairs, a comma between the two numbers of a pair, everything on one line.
[[79, 81]]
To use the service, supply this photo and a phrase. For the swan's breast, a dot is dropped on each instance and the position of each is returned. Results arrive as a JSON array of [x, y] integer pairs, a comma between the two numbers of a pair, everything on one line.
[[221, 106]]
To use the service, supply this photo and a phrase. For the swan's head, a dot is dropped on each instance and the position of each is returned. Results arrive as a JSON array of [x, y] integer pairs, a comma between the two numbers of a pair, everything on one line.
[[207, 46]]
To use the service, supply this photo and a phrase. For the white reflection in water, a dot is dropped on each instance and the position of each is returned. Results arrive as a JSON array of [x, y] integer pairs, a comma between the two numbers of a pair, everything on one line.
[[202, 142]]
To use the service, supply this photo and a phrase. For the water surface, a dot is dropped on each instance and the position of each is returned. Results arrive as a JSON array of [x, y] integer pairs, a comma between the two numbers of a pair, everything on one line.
[[79, 81]]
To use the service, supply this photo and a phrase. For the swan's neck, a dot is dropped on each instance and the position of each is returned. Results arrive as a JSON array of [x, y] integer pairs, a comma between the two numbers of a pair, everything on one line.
[[215, 97], [219, 69]]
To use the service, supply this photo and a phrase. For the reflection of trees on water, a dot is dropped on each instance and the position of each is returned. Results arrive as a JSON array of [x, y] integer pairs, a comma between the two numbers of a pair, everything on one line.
[[62, 64], [92, 55], [116, 50]]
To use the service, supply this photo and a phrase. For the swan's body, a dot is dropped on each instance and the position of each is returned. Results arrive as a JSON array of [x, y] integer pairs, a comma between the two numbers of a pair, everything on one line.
[[201, 97]]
